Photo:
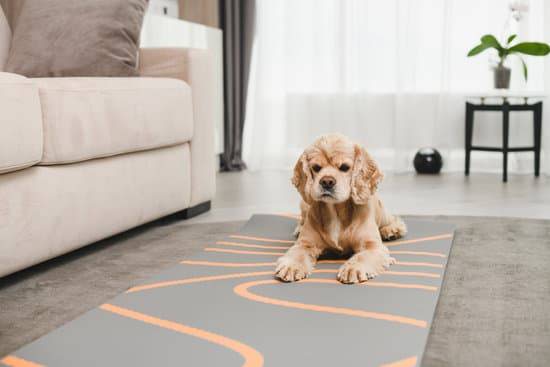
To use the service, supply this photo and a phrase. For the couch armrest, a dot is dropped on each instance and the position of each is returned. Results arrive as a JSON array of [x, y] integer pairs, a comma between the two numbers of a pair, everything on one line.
[[20, 123], [195, 67]]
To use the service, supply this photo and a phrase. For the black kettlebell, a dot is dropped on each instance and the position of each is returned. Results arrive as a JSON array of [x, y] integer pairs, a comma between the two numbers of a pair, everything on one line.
[[428, 160]]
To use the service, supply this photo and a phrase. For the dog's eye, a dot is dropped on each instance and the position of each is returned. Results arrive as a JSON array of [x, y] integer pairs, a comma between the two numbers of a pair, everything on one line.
[[344, 167], [316, 168]]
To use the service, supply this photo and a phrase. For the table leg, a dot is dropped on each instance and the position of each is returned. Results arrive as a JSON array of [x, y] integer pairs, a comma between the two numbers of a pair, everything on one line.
[[537, 129], [468, 137], [505, 133]]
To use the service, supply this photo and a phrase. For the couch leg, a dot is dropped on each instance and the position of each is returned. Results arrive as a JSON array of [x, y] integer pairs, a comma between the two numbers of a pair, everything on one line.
[[184, 214], [195, 210]]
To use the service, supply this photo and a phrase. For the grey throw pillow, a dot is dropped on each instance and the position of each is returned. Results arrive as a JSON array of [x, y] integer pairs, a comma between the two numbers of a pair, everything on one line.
[[56, 38]]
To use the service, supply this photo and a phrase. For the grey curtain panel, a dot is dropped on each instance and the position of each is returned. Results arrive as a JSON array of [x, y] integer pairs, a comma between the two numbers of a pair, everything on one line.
[[237, 23]]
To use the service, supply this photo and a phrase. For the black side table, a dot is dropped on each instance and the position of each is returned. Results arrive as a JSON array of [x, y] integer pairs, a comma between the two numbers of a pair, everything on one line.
[[505, 108]]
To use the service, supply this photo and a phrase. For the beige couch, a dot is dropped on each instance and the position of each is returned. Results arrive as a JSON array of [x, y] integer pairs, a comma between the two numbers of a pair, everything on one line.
[[82, 159]]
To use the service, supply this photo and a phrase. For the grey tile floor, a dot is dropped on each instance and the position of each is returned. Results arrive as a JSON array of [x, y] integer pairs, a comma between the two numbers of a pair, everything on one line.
[[241, 194]]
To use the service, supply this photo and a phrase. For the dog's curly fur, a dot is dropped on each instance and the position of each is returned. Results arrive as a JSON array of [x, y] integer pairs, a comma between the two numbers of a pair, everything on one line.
[[347, 217]]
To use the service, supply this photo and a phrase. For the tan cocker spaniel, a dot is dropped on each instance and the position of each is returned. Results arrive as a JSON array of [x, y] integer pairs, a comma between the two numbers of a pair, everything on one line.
[[341, 213]]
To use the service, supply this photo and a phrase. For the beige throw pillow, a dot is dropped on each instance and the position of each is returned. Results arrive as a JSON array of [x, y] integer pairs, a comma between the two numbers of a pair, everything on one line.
[[56, 38]]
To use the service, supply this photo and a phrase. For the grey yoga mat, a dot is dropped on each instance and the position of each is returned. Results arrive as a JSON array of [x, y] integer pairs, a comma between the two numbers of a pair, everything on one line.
[[224, 308]]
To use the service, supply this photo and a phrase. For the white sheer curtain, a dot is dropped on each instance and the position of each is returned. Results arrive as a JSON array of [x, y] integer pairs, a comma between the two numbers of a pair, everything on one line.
[[392, 74]]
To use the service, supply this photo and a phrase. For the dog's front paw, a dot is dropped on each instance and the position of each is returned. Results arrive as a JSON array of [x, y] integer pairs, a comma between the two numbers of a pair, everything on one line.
[[289, 269], [356, 272], [394, 230], [362, 267]]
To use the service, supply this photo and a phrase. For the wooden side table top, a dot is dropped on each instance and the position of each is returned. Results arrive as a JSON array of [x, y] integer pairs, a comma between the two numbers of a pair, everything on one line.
[[504, 95]]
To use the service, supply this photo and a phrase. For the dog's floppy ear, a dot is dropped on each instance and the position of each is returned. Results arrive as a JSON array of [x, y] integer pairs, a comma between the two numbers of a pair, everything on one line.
[[365, 176], [302, 177]]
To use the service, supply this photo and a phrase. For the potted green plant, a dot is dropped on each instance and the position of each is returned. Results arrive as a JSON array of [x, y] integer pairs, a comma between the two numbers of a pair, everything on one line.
[[501, 72]]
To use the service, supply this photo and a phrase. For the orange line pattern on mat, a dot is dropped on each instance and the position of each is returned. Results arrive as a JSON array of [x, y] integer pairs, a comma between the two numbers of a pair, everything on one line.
[[419, 253], [13, 361], [252, 358], [261, 239], [389, 272], [239, 265], [414, 263], [375, 283], [224, 264], [242, 252], [243, 291], [249, 245], [370, 283], [387, 243], [421, 274], [416, 240], [405, 263], [245, 252], [407, 362], [268, 247], [171, 283]]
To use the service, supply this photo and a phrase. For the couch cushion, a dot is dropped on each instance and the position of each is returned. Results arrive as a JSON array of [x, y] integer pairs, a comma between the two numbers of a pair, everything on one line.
[[86, 118], [46, 211], [20, 123]]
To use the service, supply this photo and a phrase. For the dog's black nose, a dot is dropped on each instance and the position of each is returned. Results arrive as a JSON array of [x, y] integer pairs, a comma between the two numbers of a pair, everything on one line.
[[327, 182]]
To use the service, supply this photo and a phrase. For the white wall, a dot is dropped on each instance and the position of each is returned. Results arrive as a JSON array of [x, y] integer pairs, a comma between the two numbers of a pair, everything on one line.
[[164, 7]]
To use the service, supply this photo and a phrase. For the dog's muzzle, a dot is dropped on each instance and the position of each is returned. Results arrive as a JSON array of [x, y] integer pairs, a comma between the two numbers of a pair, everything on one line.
[[327, 183]]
